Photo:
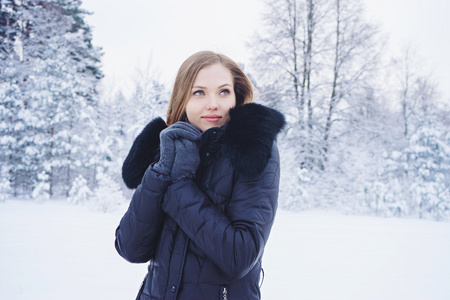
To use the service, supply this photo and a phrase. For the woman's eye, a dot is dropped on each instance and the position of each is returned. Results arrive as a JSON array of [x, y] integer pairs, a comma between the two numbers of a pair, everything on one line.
[[225, 92], [199, 93]]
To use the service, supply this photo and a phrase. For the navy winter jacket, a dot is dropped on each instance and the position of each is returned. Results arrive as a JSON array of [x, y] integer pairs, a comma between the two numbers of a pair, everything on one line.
[[205, 237]]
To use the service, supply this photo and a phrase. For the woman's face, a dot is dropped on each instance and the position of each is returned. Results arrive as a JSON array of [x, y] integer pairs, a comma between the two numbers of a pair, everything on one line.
[[212, 96]]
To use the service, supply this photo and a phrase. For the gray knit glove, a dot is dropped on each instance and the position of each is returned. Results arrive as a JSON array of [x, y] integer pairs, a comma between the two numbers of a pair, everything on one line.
[[179, 154]]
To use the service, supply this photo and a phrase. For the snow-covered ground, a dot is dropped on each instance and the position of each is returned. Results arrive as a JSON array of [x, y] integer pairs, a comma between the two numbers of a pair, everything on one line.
[[55, 250]]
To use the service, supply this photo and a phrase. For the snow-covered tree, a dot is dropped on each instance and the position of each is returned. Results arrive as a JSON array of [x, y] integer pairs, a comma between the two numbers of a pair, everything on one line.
[[56, 73], [80, 191], [13, 116], [122, 117], [314, 61], [355, 60], [428, 157]]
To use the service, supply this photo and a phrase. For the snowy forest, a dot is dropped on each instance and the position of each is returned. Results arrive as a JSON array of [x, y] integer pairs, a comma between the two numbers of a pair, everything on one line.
[[367, 131]]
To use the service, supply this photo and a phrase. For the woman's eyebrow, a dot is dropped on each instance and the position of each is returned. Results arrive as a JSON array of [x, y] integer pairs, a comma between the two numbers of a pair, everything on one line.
[[198, 87], [226, 84], [203, 87]]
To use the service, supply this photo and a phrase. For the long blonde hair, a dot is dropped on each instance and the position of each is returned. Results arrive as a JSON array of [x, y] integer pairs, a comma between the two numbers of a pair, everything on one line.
[[188, 73]]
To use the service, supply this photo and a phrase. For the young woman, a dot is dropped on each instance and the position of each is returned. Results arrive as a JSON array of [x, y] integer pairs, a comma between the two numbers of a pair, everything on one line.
[[206, 187]]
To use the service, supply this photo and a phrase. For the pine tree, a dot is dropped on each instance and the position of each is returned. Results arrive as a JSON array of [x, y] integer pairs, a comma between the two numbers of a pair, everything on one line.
[[59, 70], [12, 123]]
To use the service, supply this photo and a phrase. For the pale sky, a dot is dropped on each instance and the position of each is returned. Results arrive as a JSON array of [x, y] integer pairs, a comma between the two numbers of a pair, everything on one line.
[[133, 32]]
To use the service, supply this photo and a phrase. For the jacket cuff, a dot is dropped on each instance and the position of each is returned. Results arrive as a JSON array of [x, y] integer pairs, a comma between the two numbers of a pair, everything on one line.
[[154, 180]]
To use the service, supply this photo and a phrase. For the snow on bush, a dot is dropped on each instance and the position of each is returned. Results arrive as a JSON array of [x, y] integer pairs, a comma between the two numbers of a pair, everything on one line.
[[108, 194], [5, 189], [42, 190], [80, 192]]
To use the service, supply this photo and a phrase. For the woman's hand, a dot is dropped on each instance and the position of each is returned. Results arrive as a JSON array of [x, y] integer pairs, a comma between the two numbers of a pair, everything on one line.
[[179, 156]]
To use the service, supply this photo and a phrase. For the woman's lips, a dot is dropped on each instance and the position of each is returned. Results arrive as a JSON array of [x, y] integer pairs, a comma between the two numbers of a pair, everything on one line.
[[212, 118]]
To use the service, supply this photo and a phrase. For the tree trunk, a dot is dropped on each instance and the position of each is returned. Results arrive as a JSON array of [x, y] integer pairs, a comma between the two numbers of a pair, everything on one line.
[[69, 158], [50, 175], [308, 58], [299, 95], [405, 94], [334, 96]]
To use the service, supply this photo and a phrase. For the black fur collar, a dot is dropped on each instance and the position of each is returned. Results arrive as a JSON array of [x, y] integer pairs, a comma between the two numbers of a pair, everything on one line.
[[247, 141]]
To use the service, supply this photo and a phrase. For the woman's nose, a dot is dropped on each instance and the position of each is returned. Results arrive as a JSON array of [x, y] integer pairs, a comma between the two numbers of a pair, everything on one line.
[[212, 103]]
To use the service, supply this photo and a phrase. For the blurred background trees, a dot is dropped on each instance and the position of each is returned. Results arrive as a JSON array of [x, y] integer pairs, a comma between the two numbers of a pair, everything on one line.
[[49, 74], [367, 132], [364, 127]]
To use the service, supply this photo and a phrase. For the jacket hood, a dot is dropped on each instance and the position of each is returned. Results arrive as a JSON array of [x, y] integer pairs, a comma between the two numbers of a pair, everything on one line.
[[247, 141]]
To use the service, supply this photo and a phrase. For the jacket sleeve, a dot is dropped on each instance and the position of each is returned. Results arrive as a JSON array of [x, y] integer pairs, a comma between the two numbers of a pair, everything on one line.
[[140, 227], [233, 241]]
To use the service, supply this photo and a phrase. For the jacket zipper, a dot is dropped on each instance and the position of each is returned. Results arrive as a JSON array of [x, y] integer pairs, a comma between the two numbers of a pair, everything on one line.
[[224, 293]]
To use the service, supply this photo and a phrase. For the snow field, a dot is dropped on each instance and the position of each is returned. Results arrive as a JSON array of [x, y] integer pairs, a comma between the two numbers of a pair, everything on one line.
[[55, 250], [320, 255]]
